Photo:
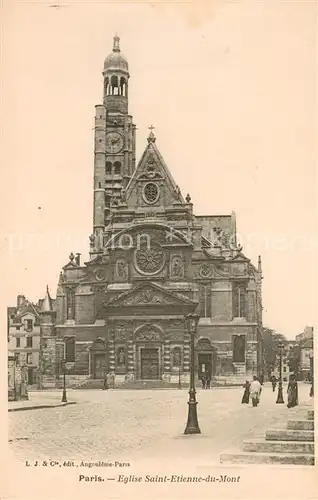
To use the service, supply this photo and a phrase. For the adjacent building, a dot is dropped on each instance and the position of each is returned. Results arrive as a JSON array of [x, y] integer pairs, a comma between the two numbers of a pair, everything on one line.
[[23, 324]]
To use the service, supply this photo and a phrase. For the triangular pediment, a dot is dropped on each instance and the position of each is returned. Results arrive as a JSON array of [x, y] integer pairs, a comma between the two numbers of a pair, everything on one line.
[[152, 169], [240, 257], [149, 294]]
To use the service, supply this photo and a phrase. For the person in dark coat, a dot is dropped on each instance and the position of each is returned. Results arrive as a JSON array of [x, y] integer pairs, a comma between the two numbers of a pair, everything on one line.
[[203, 380], [292, 392], [208, 381], [246, 395], [274, 382]]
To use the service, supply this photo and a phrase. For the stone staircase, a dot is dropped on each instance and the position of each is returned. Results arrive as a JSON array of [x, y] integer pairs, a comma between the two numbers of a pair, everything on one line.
[[293, 445]]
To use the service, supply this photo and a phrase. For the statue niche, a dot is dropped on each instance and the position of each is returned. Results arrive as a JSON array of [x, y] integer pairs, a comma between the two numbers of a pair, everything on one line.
[[121, 358], [177, 267]]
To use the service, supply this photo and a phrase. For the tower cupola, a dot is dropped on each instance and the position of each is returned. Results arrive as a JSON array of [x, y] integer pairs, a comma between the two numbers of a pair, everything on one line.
[[116, 75]]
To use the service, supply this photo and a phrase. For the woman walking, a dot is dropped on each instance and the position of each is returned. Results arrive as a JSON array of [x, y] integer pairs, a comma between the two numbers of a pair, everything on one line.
[[292, 392], [246, 395]]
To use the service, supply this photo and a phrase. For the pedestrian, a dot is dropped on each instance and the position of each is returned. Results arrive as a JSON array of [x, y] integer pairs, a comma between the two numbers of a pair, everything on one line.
[[274, 382], [292, 392], [261, 378], [255, 391], [203, 380], [246, 395], [208, 381]]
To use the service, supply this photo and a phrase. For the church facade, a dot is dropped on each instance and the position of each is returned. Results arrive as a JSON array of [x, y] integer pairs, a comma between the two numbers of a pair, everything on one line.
[[152, 261]]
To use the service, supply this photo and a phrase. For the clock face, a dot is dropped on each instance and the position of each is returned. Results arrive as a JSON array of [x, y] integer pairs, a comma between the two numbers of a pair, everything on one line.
[[114, 142]]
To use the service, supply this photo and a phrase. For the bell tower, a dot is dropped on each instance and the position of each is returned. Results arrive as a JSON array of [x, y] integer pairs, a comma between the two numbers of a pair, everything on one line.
[[115, 138]]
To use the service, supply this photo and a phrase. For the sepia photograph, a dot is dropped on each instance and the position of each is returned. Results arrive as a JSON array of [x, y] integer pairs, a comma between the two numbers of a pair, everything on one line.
[[160, 249]]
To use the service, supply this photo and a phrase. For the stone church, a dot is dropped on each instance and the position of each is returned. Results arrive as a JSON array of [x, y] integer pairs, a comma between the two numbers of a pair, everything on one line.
[[152, 261]]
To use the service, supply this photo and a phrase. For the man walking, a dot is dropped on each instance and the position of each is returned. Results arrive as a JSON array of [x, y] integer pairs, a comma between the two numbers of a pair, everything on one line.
[[255, 391]]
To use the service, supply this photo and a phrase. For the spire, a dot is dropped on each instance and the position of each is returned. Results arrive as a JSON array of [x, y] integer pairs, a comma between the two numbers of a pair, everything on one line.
[[47, 302], [259, 264], [151, 136], [116, 47]]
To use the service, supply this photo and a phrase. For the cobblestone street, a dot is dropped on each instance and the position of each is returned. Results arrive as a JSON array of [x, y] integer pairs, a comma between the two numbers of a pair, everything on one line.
[[138, 425]]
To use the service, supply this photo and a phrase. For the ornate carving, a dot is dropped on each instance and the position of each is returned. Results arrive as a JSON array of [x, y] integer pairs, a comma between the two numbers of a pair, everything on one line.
[[177, 267], [176, 356], [221, 270], [121, 333], [205, 271], [100, 274], [149, 260], [147, 296], [148, 336], [122, 269]]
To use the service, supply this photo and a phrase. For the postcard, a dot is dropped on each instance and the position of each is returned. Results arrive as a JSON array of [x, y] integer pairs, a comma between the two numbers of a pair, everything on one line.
[[159, 249]]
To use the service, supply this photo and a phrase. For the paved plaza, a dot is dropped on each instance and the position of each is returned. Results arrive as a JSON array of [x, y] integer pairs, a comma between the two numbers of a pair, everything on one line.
[[138, 425]]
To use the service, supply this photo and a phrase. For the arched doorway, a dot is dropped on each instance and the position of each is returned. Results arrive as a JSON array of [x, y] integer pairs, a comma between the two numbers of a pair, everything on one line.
[[149, 352], [206, 358]]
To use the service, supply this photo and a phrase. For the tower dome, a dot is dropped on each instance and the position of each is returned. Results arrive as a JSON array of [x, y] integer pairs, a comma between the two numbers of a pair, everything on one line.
[[116, 61]]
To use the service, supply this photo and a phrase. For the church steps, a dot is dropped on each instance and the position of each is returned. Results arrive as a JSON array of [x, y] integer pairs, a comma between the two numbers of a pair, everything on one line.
[[304, 425], [294, 445], [269, 458], [289, 435], [259, 445]]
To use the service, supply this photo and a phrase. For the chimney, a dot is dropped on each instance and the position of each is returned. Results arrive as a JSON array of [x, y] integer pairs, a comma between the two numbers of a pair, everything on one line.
[[20, 301], [78, 259]]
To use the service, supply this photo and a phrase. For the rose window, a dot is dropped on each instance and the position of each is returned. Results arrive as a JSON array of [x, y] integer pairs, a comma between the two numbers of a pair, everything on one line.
[[151, 192], [149, 260]]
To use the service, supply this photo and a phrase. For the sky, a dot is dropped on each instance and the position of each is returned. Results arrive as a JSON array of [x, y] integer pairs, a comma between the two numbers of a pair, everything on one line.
[[231, 90]]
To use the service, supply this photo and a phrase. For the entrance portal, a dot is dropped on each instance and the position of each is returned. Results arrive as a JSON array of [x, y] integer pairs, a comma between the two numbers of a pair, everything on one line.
[[99, 364], [204, 365], [149, 364]]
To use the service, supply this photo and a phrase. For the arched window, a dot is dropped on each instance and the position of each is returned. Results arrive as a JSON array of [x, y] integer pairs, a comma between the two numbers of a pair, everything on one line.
[[117, 166], [123, 86], [107, 86], [114, 85], [108, 168]]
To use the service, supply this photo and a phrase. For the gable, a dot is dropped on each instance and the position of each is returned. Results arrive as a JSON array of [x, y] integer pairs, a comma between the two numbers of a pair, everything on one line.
[[152, 185], [149, 294]]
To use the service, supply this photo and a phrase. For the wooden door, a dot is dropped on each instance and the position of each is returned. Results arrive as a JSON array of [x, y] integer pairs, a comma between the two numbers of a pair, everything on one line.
[[99, 364], [150, 364]]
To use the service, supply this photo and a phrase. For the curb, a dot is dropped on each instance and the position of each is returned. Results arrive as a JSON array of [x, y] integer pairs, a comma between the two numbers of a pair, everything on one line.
[[40, 407]]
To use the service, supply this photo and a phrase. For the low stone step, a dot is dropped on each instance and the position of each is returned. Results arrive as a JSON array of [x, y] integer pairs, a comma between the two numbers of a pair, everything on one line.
[[310, 415], [260, 446], [301, 425], [289, 435], [268, 458]]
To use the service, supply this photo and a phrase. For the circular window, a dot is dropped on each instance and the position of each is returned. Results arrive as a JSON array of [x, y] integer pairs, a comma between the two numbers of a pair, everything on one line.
[[149, 260], [151, 192]]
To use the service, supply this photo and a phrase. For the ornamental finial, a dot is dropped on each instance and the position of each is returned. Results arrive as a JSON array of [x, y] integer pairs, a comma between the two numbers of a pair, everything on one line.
[[116, 47]]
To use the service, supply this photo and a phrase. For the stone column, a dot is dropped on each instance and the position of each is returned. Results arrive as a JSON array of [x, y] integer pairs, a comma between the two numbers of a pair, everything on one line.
[[111, 356], [130, 360], [166, 360], [186, 358]]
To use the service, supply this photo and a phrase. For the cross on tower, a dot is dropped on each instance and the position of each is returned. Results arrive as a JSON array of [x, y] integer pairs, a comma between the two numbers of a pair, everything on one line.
[[151, 128]]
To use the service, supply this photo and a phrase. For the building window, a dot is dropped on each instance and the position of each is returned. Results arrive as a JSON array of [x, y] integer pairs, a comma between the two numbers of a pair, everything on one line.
[[108, 168], [117, 166], [151, 193], [17, 328], [284, 369], [70, 299], [29, 358], [70, 350], [239, 300], [205, 301], [28, 325], [17, 341], [29, 341]]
